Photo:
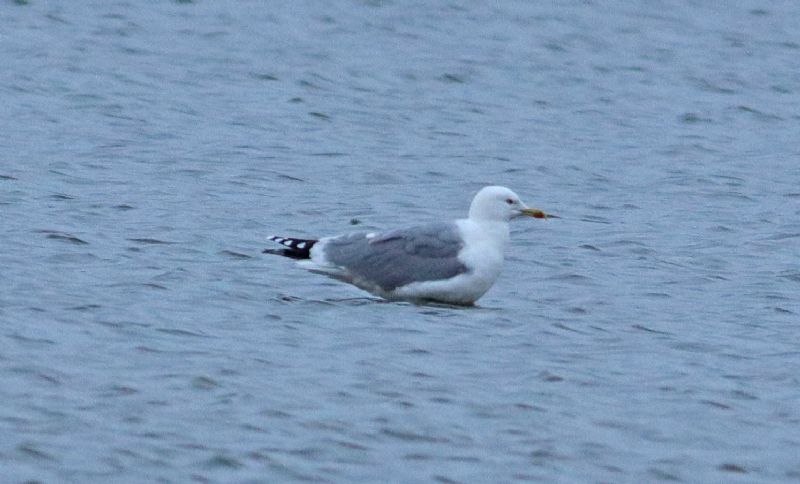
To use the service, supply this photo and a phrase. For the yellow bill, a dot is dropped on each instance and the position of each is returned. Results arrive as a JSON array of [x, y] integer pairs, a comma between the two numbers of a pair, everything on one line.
[[536, 213]]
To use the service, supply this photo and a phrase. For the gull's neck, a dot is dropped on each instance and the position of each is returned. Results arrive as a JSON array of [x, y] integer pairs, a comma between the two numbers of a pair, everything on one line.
[[488, 221], [493, 231]]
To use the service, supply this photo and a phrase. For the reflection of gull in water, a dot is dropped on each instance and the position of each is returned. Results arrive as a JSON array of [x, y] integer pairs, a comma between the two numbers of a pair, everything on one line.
[[451, 262]]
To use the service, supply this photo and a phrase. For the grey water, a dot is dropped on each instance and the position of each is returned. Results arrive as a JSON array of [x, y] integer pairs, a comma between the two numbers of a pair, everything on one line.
[[149, 148]]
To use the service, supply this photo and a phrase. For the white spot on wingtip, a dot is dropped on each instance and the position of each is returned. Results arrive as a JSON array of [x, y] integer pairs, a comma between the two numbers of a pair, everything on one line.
[[301, 245]]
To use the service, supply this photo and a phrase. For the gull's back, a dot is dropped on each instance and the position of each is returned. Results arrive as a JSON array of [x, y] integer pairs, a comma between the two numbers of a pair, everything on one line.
[[389, 260]]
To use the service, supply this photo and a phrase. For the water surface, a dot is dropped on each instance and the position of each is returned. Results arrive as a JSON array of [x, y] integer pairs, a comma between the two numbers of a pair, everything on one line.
[[149, 148]]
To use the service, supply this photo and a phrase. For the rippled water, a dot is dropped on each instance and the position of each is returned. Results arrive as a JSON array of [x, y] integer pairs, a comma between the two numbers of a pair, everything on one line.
[[148, 148]]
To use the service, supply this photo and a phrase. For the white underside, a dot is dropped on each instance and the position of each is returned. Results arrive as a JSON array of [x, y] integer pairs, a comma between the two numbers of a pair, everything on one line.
[[482, 254]]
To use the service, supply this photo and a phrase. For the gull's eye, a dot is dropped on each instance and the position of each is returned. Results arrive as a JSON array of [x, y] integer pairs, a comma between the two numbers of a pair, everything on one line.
[[509, 201]]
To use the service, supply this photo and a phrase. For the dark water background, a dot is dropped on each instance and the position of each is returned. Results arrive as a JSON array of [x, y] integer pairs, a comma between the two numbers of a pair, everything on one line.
[[147, 149]]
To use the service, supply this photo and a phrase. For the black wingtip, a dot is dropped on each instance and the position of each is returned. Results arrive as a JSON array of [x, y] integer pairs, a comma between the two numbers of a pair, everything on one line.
[[294, 248]]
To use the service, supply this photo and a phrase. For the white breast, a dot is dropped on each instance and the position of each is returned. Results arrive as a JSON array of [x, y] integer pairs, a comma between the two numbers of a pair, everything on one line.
[[484, 248]]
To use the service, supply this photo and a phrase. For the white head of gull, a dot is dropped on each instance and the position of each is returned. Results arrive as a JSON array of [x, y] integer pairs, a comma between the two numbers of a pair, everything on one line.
[[499, 204]]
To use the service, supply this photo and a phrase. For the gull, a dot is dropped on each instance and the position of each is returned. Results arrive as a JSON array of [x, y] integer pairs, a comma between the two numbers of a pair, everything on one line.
[[452, 262]]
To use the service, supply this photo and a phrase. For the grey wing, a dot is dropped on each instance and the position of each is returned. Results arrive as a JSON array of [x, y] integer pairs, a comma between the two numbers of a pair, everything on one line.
[[399, 257]]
